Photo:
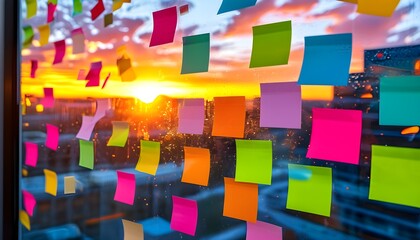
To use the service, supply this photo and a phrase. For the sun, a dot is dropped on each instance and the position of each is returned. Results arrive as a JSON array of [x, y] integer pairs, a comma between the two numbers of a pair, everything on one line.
[[146, 93]]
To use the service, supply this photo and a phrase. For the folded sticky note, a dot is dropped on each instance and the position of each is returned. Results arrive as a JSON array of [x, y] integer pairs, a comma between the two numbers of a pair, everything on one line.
[[400, 100], [53, 134], [31, 154], [149, 157], [311, 193], [34, 67], [48, 100], [394, 175], [24, 219], [85, 131], [281, 105], [94, 74], [51, 11], [60, 51], [69, 185], [44, 34], [102, 106], [97, 10], [196, 166], [120, 131], [262, 230], [196, 53], [271, 44], [28, 36], [164, 26], [132, 230], [78, 39], [126, 188], [336, 135], [241, 200], [77, 7], [191, 116], [232, 5], [31, 8], [106, 80], [184, 215], [86, 154], [326, 60], [29, 202], [254, 161], [50, 182], [384, 8], [229, 117]]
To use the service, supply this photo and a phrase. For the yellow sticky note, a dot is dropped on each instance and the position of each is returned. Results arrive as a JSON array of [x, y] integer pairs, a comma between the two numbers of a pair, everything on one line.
[[132, 230], [50, 182], [149, 157], [69, 185], [383, 8], [44, 34], [24, 219]]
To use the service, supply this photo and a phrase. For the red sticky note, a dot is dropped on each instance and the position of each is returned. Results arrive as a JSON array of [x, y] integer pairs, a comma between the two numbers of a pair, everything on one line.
[[183, 9], [184, 215], [52, 137], [106, 80], [94, 74], [81, 75], [29, 202], [97, 10], [164, 26], [51, 10], [48, 100], [126, 188], [60, 51], [31, 154], [34, 67]]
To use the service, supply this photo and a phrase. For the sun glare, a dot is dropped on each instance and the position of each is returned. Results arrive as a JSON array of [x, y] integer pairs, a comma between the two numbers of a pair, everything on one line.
[[148, 91]]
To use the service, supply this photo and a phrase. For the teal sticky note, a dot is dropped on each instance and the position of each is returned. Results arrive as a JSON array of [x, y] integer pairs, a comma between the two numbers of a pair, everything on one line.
[[196, 53], [254, 161], [310, 189], [395, 175], [231, 5], [399, 101], [86, 154], [271, 44]]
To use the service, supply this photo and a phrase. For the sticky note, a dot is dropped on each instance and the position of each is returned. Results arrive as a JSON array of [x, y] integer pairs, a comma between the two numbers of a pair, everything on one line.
[[262, 230], [31, 154], [125, 70], [106, 80], [50, 182], [60, 51], [196, 53], [383, 8], [85, 131], [191, 116], [48, 100], [254, 161], [271, 44], [281, 105], [78, 39], [24, 219], [69, 185], [183, 9], [108, 19], [336, 135], [119, 135], [87, 157], [94, 74], [196, 166], [164, 26], [102, 106], [31, 8], [44, 34], [394, 175], [184, 215], [126, 188], [326, 60], [81, 75], [311, 195], [149, 157], [116, 4], [400, 98], [232, 5], [97, 10], [229, 117], [241, 200], [51, 11], [53, 134], [34, 67], [77, 7], [29, 202], [132, 230], [28, 36]]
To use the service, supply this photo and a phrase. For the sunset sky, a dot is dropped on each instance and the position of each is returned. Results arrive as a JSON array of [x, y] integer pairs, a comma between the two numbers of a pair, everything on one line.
[[158, 68]]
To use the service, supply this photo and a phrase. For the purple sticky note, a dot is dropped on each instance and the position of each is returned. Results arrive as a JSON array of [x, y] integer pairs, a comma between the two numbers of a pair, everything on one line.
[[94, 74], [34, 67], [85, 131], [51, 11], [281, 105], [29, 202], [164, 26], [184, 215], [48, 100], [126, 188], [52, 137], [31, 157], [191, 116], [102, 106], [60, 51], [97, 9], [261, 230], [336, 135]]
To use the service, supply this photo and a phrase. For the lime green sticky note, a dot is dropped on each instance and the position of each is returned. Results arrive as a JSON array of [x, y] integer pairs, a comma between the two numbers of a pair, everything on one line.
[[28, 33], [271, 44], [149, 157], [86, 154], [77, 7], [394, 175], [119, 135], [310, 189], [254, 161], [196, 53], [31, 8]]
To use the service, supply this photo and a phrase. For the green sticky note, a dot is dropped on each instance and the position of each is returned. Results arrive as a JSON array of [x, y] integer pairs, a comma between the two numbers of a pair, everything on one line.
[[86, 154], [31, 8], [400, 100], [28, 33], [108, 19], [77, 7], [119, 135], [53, 1], [395, 175], [271, 44], [254, 161], [196, 53], [149, 157], [310, 189]]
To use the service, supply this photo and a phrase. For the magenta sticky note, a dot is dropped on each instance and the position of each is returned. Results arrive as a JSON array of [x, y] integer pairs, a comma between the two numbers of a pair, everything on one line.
[[261, 230], [106, 80], [48, 100], [60, 51], [52, 137], [94, 74], [164, 26], [184, 215], [31, 157], [82, 74], [29, 202], [51, 10], [191, 116], [97, 9], [85, 131], [34, 67], [281, 105], [126, 188], [336, 135]]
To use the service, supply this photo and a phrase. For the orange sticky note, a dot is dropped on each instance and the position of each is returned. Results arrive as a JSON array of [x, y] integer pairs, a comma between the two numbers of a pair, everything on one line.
[[50, 182], [241, 200], [229, 117], [196, 166]]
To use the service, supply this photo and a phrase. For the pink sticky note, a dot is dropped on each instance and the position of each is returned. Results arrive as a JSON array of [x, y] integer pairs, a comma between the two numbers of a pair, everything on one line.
[[281, 105], [164, 26], [102, 106], [52, 137], [85, 131], [48, 100], [191, 116], [106, 80], [81, 75], [97, 10], [60, 51], [94, 74], [51, 11], [34, 67], [31, 157], [336, 135], [29, 202], [78, 39], [261, 230], [184, 215], [126, 188]]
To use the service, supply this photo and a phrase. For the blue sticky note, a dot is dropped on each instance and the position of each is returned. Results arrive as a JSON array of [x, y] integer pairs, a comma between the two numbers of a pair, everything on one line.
[[326, 60], [231, 5]]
